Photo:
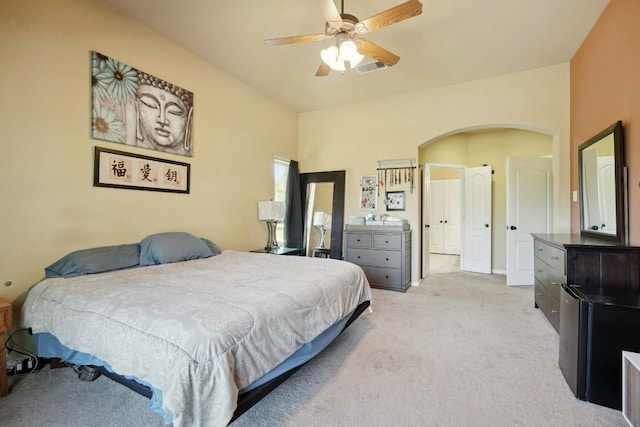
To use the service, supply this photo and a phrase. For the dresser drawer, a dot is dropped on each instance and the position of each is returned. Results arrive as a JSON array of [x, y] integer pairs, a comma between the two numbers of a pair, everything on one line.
[[540, 297], [358, 240], [540, 270], [388, 277], [553, 288], [540, 250], [375, 258], [555, 258], [554, 312], [386, 241]]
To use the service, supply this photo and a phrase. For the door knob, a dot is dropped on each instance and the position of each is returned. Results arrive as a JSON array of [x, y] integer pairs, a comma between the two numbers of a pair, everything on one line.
[[426, 226], [486, 225], [513, 227]]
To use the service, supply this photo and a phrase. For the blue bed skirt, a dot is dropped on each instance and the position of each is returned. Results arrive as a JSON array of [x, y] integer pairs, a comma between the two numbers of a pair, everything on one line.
[[49, 347]]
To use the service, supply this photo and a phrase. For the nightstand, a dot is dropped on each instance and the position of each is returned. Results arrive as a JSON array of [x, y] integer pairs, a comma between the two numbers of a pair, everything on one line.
[[321, 253], [6, 317], [280, 251]]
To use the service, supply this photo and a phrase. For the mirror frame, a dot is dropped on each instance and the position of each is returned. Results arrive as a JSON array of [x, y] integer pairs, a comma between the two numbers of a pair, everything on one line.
[[337, 209], [620, 185]]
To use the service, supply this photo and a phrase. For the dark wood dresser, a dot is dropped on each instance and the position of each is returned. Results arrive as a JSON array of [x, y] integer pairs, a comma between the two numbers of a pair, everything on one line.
[[579, 260]]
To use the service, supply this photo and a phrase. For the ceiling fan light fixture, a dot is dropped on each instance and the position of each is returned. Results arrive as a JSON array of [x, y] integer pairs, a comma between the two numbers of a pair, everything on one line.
[[349, 52], [331, 57]]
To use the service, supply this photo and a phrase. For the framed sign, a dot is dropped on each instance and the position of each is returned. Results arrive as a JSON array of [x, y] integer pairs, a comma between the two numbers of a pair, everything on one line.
[[395, 200], [369, 192], [118, 169]]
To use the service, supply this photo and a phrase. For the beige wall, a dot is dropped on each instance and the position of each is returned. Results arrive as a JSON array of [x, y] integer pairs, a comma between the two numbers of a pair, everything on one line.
[[604, 89], [492, 148], [49, 205], [353, 137]]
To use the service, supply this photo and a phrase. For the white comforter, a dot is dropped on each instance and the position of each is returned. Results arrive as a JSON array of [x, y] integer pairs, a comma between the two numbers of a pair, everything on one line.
[[199, 330]]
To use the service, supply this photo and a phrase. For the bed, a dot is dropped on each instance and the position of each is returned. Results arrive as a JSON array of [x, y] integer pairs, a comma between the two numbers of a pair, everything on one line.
[[206, 333]]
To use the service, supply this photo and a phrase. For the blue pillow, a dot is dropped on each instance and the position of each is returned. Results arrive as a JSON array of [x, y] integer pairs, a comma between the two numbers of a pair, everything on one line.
[[169, 247], [212, 246], [95, 260]]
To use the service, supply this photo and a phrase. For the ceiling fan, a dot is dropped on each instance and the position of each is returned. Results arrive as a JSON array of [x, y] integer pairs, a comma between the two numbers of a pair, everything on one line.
[[345, 29]]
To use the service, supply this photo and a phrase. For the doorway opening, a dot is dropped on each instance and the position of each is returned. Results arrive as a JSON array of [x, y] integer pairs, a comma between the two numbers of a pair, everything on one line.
[[476, 147], [443, 263], [442, 215]]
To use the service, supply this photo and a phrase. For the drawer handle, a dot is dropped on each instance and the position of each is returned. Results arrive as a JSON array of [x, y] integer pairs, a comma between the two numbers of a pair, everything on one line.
[[358, 240], [555, 283], [387, 259], [358, 256], [555, 258], [555, 311], [540, 271], [386, 277], [539, 249], [539, 294]]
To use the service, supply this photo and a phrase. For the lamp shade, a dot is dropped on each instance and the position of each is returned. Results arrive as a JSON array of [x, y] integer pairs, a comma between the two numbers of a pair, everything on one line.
[[271, 211], [322, 220]]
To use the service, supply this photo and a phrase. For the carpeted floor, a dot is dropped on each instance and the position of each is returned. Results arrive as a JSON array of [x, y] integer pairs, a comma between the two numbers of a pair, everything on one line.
[[462, 349]]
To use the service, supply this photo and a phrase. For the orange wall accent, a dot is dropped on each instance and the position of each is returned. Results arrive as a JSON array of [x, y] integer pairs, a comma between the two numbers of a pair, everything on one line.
[[605, 88]]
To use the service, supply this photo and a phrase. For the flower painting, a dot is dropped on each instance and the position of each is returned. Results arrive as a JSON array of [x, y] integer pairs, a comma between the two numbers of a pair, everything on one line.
[[135, 108]]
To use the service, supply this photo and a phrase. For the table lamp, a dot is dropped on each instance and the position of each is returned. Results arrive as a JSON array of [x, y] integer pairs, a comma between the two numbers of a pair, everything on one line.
[[271, 212], [322, 221]]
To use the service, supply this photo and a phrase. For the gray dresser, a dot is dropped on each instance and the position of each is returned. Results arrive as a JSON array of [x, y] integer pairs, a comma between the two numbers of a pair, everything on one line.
[[384, 255]]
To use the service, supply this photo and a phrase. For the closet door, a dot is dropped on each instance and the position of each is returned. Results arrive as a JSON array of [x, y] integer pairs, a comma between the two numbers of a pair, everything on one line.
[[436, 217], [445, 216], [451, 204]]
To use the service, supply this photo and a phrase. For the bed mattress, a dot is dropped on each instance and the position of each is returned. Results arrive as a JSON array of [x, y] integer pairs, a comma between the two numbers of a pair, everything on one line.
[[198, 331]]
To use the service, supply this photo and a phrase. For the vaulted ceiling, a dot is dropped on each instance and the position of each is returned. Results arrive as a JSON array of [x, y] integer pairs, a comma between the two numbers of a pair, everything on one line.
[[452, 41]]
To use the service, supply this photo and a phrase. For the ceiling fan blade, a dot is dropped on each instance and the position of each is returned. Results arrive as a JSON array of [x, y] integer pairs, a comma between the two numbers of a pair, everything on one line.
[[398, 13], [296, 39], [323, 70], [330, 13], [367, 48]]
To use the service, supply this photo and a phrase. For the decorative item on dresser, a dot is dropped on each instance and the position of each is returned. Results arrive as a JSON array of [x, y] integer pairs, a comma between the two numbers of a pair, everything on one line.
[[383, 252], [580, 260], [6, 318]]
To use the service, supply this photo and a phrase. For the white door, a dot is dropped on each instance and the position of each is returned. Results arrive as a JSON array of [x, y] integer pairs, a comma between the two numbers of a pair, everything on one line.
[[436, 216], [444, 215], [451, 203], [425, 220], [591, 190], [476, 254], [607, 198], [529, 210]]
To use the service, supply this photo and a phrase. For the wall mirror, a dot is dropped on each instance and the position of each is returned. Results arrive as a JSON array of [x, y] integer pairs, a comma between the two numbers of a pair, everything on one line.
[[603, 186], [322, 195]]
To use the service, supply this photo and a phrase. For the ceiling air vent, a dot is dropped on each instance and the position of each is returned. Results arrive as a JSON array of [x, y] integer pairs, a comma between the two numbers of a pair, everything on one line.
[[371, 67]]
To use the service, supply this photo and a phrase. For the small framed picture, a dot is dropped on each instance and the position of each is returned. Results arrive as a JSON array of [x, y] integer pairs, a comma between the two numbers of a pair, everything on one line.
[[395, 200], [369, 192]]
